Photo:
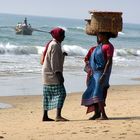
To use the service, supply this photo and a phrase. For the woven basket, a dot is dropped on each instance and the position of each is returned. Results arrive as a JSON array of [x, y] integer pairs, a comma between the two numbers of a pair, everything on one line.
[[104, 22]]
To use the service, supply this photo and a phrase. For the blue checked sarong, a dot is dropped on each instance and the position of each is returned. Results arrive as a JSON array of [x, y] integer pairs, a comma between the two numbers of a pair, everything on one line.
[[94, 92], [53, 96]]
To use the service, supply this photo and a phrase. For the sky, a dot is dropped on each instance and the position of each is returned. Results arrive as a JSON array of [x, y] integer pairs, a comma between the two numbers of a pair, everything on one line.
[[72, 8]]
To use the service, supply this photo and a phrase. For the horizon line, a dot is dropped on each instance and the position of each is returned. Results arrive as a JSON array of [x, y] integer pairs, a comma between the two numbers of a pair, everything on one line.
[[55, 17]]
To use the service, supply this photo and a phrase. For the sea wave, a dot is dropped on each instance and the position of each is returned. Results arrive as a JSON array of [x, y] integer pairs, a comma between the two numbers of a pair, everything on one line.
[[17, 50], [64, 28], [3, 26], [72, 50], [78, 28], [127, 52]]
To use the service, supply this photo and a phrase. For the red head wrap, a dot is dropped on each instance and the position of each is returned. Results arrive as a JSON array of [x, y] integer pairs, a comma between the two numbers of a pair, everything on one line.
[[58, 34]]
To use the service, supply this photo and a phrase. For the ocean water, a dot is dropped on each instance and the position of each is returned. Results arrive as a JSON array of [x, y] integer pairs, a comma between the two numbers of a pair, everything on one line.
[[20, 70]]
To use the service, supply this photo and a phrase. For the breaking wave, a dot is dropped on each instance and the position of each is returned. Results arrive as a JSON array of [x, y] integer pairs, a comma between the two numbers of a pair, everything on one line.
[[72, 50]]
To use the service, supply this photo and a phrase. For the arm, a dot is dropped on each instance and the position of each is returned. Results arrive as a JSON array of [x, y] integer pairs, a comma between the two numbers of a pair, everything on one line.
[[60, 77], [41, 59], [44, 53], [108, 51], [108, 64], [87, 67], [56, 63], [87, 57]]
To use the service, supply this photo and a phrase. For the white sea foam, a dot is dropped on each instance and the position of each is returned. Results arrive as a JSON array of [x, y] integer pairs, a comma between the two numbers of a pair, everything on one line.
[[127, 52], [138, 52], [77, 28], [121, 33], [3, 105], [64, 28], [81, 28], [40, 49], [74, 50], [17, 50]]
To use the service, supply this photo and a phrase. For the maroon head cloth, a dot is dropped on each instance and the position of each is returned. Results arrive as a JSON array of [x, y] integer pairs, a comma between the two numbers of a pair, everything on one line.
[[58, 34]]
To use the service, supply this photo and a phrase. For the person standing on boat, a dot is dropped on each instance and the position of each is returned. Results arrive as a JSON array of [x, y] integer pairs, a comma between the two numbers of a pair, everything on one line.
[[100, 64], [54, 92], [25, 22]]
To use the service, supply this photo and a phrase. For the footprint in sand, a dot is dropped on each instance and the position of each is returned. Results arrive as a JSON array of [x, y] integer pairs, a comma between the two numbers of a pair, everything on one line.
[[73, 133], [87, 127], [60, 133], [87, 132], [106, 131], [4, 133], [137, 133], [121, 137], [123, 134], [1, 137]]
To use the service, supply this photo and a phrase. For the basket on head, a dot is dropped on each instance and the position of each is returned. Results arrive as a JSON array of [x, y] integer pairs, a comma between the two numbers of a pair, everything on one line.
[[104, 22]]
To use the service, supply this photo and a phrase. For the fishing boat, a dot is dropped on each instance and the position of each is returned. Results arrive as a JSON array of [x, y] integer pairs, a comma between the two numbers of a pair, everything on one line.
[[23, 28]]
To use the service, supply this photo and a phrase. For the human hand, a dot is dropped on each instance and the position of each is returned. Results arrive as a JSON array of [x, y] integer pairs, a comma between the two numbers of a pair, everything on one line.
[[65, 54], [90, 72], [60, 77]]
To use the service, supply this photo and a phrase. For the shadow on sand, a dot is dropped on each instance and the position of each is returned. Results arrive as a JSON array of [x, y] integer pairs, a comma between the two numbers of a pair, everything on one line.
[[110, 118], [125, 118]]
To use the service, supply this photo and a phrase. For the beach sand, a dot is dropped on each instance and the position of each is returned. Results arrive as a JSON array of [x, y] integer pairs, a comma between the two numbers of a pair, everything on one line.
[[24, 120]]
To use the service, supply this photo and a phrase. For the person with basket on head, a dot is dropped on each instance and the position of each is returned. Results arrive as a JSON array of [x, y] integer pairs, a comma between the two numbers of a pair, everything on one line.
[[104, 25], [100, 63]]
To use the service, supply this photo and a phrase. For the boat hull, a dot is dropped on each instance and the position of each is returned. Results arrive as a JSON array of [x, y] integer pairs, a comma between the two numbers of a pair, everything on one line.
[[24, 30]]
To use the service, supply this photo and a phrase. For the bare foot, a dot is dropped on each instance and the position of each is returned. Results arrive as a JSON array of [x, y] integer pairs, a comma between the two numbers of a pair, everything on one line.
[[58, 119], [47, 119], [103, 118], [95, 116]]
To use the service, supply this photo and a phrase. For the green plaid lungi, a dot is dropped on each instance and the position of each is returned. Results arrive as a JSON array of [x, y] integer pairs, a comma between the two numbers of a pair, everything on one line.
[[53, 96]]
